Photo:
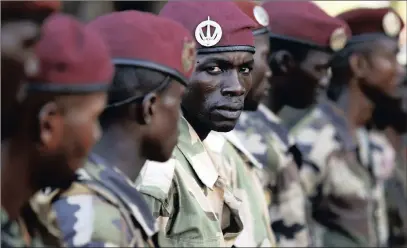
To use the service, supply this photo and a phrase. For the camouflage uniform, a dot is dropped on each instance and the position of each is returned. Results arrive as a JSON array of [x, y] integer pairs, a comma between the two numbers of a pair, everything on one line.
[[242, 178], [15, 233], [188, 196], [101, 209], [339, 185], [263, 135], [377, 153]]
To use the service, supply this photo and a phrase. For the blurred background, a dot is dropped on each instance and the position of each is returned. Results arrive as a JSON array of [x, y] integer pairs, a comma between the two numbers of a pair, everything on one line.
[[88, 10]]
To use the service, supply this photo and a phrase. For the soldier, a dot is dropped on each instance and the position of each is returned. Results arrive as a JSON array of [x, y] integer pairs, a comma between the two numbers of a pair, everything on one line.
[[140, 119], [263, 133], [337, 175], [188, 195], [238, 165], [20, 26], [57, 123]]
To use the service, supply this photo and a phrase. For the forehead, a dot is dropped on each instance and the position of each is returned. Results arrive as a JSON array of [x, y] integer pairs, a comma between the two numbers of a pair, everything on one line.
[[262, 41], [236, 58], [317, 56]]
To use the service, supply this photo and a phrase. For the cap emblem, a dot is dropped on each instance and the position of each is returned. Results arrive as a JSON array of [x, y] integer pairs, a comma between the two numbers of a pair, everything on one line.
[[208, 38], [338, 39], [188, 55], [261, 16], [391, 24]]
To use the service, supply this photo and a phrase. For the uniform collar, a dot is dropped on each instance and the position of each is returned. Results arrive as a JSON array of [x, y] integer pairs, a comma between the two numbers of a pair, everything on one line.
[[194, 151]]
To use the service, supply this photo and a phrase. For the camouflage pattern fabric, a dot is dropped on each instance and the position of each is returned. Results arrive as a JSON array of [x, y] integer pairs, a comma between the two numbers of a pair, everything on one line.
[[15, 233], [263, 135], [189, 197], [377, 153], [339, 185], [246, 185], [101, 209]]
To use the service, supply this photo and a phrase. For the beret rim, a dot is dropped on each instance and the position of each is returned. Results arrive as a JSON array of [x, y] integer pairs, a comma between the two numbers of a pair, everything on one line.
[[260, 31], [309, 45], [152, 66], [223, 49], [93, 87]]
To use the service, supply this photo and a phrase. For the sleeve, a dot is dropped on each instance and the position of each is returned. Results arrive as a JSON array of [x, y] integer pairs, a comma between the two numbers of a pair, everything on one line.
[[88, 221]]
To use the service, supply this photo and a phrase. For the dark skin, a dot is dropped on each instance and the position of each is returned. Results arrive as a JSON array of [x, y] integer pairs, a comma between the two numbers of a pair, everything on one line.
[[378, 68], [295, 83], [20, 31], [55, 135], [150, 132], [261, 73], [216, 92]]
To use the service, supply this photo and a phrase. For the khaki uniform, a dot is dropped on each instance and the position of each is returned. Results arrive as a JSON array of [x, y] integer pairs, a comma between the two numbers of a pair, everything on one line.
[[243, 179], [101, 209], [188, 196], [263, 135]]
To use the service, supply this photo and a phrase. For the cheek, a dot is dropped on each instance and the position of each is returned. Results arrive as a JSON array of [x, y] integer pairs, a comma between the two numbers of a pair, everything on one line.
[[384, 75], [86, 132], [201, 94]]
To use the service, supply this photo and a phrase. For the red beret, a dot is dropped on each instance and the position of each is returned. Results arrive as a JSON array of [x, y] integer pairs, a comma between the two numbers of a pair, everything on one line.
[[72, 58], [31, 5], [367, 24], [229, 28], [257, 13], [305, 23], [149, 41]]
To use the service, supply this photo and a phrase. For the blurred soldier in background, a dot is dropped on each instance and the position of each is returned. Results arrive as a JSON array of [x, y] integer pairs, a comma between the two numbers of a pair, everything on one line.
[[57, 123], [141, 119], [295, 53], [190, 197], [240, 167], [346, 210]]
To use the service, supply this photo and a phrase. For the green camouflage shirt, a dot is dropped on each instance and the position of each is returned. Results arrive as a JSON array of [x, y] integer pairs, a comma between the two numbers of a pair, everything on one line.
[[101, 209], [263, 135], [190, 199], [245, 183], [15, 234], [338, 184]]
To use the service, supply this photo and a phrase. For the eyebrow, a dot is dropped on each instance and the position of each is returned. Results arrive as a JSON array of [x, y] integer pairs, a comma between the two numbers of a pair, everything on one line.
[[225, 62]]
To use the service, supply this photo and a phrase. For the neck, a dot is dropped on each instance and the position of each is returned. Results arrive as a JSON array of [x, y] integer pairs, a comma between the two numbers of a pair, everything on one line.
[[198, 126], [119, 148], [275, 100], [16, 186]]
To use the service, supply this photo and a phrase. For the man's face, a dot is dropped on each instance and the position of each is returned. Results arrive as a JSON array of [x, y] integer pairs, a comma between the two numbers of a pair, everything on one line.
[[162, 133], [383, 70], [260, 74], [217, 89], [304, 78], [68, 136]]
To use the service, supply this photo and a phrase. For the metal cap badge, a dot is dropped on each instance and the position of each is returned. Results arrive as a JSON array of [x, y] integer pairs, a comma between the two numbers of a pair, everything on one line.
[[391, 24], [338, 39], [208, 39]]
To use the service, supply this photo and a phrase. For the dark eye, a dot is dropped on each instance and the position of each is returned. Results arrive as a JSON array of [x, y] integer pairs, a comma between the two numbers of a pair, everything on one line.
[[214, 70], [245, 70]]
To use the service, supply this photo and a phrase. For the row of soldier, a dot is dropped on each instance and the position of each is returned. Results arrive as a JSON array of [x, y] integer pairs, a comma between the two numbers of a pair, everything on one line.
[[190, 150]]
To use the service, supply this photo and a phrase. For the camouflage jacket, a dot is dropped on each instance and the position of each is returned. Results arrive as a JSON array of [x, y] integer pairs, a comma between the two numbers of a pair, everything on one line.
[[246, 185], [190, 199], [16, 233], [377, 153], [339, 185], [101, 209], [264, 136]]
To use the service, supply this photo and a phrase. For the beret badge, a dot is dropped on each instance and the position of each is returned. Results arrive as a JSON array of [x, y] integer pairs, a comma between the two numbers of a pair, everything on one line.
[[212, 35], [261, 15], [188, 55], [391, 24], [338, 39]]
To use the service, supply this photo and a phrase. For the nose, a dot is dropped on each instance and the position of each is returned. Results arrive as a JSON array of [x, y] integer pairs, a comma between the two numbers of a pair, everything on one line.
[[232, 86]]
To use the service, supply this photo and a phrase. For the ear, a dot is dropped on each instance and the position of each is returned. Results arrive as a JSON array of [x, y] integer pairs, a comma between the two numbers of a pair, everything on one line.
[[282, 61], [358, 65], [51, 125], [149, 107]]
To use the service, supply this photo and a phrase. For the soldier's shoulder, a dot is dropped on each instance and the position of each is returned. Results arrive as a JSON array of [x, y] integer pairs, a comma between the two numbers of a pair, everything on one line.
[[80, 216], [157, 178]]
